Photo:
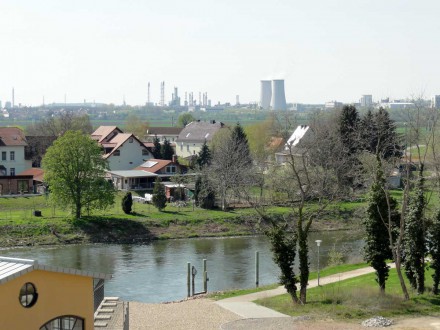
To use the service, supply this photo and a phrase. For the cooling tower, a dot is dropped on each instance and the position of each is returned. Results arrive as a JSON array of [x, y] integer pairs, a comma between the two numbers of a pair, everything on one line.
[[265, 94], [278, 96]]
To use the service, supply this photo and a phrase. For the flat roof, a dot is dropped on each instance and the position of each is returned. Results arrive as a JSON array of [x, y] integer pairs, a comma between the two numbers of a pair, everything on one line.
[[11, 268], [132, 173]]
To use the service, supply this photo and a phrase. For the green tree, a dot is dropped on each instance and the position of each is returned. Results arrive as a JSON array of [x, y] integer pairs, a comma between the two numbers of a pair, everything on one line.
[[59, 124], [127, 203], [204, 156], [136, 126], [239, 137], [434, 251], [157, 153], [414, 242], [166, 150], [159, 197], [74, 171], [184, 119], [377, 243]]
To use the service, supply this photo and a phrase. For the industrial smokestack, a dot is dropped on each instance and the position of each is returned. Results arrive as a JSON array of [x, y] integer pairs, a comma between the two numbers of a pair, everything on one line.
[[278, 95], [265, 94]]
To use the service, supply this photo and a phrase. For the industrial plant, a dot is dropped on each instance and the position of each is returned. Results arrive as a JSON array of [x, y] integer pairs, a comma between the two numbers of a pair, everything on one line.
[[272, 95]]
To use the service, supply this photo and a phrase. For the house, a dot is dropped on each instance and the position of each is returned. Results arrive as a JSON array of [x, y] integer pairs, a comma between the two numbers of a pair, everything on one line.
[[37, 179], [162, 133], [293, 144], [12, 151], [143, 176], [122, 150], [48, 297], [194, 135]]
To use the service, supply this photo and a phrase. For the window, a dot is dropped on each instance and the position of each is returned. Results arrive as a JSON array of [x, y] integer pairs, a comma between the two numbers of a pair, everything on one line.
[[28, 295], [12, 171], [171, 169], [3, 155], [117, 153], [144, 152], [64, 323], [130, 140], [187, 147], [12, 155]]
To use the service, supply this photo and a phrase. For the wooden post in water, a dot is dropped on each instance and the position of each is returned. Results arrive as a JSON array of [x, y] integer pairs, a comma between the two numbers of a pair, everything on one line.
[[257, 266], [205, 277], [188, 279]]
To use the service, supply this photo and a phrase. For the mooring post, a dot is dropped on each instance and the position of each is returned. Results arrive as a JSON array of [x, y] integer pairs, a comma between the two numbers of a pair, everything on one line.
[[193, 273], [205, 277], [257, 266], [188, 279]]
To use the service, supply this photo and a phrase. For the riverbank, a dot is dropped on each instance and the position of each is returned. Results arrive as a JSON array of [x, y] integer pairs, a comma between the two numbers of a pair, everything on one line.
[[20, 227]]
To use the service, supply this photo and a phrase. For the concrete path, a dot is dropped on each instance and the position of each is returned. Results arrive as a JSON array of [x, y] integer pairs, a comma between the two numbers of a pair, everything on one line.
[[247, 309]]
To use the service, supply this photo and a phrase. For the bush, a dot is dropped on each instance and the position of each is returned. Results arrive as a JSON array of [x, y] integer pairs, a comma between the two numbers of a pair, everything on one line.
[[127, 203]]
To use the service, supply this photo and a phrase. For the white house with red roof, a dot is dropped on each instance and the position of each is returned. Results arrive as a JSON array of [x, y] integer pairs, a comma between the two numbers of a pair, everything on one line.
[[12, 151], [122, 150]]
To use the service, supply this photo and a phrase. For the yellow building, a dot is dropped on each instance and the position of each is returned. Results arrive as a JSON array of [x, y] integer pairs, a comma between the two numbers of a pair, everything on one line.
[[34, 296]]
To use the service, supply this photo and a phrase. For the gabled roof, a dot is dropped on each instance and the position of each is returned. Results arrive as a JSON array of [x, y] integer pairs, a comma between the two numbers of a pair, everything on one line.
[[103, 132], [119, 140], [12, 136], [199, 131], [11, 268], [153, 165], [36, 172], [164, 130]]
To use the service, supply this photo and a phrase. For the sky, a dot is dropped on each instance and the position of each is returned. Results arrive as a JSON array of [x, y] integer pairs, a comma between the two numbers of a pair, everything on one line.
[[108, 50]]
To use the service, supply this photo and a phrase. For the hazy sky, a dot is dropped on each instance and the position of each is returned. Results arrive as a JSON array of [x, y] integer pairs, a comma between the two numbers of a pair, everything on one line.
[[325, 50]]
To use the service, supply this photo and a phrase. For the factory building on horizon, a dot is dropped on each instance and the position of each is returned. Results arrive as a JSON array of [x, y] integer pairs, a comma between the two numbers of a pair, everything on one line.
[[272, 95]]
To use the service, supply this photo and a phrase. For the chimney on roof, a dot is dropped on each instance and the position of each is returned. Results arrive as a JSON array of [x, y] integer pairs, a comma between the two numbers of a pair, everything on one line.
[[174, 158]]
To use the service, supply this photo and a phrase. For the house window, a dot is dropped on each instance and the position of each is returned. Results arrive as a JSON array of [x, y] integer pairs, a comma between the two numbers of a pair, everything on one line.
[[187, 147], [12, 171], [3, 155], [144, 152], [64, 323], [28, 295], [171, 169], [130, 140], [117, 153], [12, 155]]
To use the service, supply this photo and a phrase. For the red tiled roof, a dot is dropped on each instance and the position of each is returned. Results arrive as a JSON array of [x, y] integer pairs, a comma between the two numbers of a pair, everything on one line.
[[103, 131], [12, 136], [149, 165], [36, 172]]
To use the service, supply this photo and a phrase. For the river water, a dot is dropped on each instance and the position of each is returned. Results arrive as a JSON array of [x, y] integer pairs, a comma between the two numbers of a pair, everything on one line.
[[157, 272]]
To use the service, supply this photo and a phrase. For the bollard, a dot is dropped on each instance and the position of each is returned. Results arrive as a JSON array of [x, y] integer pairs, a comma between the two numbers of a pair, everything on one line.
[[205, 277], [257, 266], [194, 272], [188, 279]]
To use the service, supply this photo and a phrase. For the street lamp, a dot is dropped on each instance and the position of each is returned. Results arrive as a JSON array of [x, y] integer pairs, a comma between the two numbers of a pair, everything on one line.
[[318, 243]]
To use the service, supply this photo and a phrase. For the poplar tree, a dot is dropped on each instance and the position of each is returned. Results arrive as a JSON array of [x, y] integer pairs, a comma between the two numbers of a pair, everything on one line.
[[157, 153], [167, 151]]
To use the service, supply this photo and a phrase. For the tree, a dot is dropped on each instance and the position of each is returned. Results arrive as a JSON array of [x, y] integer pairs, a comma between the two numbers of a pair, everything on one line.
[[59, 124], [166, 150], [135, 125], [240, 139], [414, 250], [184, 119], [377, 244], [74, 171], [127, 203], [434, 251], [157, 153], [204, 156], [205, 193], [159, 197]]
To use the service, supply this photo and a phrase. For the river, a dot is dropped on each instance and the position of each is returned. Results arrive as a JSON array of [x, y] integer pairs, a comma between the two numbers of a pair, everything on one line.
[[157, 272]]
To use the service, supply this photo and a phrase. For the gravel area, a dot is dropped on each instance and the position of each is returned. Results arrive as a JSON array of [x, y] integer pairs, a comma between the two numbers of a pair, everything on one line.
[[190, 314], [377, 322]]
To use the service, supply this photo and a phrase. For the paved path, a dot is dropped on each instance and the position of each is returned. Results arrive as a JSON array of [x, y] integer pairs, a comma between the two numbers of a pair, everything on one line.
[[246, 308]]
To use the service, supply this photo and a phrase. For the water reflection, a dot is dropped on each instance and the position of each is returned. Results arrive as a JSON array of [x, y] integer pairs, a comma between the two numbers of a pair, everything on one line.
[[157, 272]]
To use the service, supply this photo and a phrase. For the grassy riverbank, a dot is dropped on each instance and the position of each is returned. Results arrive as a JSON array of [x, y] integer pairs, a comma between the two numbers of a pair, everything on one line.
[[19, 226], [358, 298]]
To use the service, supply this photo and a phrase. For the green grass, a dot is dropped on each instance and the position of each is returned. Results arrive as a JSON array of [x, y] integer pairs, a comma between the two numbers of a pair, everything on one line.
[[313, 275], [358, 298]]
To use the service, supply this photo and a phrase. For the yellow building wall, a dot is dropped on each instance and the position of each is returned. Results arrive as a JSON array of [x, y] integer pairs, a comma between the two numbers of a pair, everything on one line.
[[59, 294]]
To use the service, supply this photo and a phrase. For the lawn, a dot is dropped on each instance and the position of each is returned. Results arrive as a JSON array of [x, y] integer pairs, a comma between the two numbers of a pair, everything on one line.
[[358, 298]]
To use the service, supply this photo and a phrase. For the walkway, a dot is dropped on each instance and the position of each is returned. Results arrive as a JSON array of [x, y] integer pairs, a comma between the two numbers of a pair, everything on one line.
[[246, 308]]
